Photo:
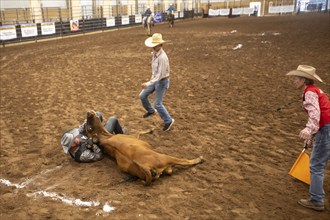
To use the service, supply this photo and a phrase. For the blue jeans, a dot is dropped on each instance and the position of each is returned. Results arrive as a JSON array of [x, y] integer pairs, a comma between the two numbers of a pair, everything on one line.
[[113, 126], [159, 88], [319, 158]]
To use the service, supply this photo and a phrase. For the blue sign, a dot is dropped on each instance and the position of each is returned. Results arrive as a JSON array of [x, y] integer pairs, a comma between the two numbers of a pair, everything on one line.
[[158, 17]]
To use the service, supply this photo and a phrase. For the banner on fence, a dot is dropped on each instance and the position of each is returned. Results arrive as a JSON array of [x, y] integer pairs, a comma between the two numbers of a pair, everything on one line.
[[224, 12], [74, 25], [213, 12], [138, 18], [8, 32], [124, 20], [48, 28], [176, 15], [237, 11], [288, 8], [158, 17], [248, 11], [29, 30], [110, 22], [281, 9]]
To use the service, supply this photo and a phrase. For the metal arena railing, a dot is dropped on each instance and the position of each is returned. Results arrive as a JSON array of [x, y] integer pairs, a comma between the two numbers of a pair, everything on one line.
[[19, 25], [33, 24]]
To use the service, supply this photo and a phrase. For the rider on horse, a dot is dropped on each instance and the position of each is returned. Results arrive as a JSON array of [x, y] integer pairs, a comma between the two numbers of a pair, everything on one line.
[[171, 9], [170, 17], [147, 13]]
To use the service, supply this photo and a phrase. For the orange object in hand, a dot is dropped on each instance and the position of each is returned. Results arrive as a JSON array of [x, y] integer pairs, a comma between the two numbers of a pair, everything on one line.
[[300, 169]]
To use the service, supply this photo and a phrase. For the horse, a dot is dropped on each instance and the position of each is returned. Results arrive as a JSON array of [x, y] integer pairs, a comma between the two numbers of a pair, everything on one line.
[[132, 155], [147, 25], [170, 19]]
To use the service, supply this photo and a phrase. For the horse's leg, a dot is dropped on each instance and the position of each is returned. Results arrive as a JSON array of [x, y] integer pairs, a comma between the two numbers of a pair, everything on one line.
[[170, 21], [149, 29]]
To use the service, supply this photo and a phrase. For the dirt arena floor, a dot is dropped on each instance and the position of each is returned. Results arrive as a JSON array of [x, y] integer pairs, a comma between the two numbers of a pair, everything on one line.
[[231, 104]]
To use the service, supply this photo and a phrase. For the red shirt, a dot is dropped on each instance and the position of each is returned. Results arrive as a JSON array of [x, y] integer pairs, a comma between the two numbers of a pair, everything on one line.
[[323, 102]]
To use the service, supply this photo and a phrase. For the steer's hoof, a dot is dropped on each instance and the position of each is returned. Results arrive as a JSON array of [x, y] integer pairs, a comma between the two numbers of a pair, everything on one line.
[[146, 183]]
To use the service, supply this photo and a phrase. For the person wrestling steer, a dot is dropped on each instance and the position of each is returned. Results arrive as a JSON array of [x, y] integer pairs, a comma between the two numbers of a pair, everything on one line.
[[81, 148]]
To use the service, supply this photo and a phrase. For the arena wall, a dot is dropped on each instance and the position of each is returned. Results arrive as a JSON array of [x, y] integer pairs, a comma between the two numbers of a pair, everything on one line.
[[36, 12], [96, 17]]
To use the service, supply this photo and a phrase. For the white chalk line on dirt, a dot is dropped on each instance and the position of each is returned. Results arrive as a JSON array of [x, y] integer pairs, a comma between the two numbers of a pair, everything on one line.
[[64, 199], [29, 180], [54, 195]]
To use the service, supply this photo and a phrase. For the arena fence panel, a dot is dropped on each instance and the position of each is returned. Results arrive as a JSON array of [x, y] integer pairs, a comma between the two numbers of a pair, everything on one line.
[[19, 24]]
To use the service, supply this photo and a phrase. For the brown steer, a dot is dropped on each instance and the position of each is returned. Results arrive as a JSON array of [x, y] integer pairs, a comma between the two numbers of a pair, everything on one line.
[[133, 156]]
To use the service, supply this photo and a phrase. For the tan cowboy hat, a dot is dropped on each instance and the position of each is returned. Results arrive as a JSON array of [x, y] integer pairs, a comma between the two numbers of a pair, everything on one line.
[[306, 72], [154, 40]]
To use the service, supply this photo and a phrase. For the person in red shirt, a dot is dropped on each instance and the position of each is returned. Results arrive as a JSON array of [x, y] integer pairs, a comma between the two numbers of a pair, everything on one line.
[[317, 106]]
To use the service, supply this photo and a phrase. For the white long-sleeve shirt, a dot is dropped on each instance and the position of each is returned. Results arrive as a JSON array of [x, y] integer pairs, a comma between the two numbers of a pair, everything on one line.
[[160, 67]]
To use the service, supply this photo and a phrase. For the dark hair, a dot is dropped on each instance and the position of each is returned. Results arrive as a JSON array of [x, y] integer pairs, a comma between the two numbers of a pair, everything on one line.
[[309, 81]]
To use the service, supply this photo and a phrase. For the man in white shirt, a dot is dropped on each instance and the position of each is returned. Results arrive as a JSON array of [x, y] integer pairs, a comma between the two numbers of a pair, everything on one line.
[[159, 82]]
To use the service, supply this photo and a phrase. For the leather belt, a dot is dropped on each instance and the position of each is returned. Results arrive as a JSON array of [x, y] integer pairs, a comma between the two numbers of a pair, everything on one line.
[[164, 78]]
